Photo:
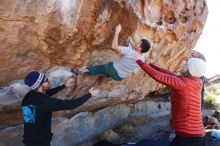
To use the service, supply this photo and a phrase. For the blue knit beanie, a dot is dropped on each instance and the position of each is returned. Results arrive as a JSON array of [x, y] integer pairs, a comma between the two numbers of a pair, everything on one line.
[[34, 79]]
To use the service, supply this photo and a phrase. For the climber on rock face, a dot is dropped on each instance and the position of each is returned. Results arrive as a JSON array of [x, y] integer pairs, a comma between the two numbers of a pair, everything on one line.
[[38, 105], [123, 67], [186, 117]]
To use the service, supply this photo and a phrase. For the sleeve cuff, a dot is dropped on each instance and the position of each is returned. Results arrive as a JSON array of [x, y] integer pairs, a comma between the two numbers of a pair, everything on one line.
[[89, 94], [139, 61], [63, 86]]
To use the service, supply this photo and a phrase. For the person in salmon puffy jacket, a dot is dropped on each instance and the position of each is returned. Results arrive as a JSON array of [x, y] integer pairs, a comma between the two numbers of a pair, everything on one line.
[[186, 118]]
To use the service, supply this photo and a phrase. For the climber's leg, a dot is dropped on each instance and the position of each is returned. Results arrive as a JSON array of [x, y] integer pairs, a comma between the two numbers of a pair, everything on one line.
[[98, 69], [106, 69]]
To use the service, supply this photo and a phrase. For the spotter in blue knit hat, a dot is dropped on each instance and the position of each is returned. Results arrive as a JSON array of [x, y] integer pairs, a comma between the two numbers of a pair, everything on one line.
[[34, 79]]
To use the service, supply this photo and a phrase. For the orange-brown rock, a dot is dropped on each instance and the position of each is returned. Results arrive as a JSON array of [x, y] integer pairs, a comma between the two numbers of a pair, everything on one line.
[[41, 35]]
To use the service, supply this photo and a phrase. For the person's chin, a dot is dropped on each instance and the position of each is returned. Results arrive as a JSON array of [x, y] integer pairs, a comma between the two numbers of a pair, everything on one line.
[[46, 89]]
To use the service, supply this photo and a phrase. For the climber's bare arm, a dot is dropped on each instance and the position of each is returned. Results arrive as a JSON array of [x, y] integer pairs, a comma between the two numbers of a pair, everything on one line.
[[115, 45]]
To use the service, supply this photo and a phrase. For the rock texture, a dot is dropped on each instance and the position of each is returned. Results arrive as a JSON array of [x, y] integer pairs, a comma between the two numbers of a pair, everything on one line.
[[54, 35], [86, 126], [41, 34]]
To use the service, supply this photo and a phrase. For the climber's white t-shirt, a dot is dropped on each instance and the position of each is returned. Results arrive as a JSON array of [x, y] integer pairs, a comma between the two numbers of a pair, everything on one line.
[[126, 64]]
